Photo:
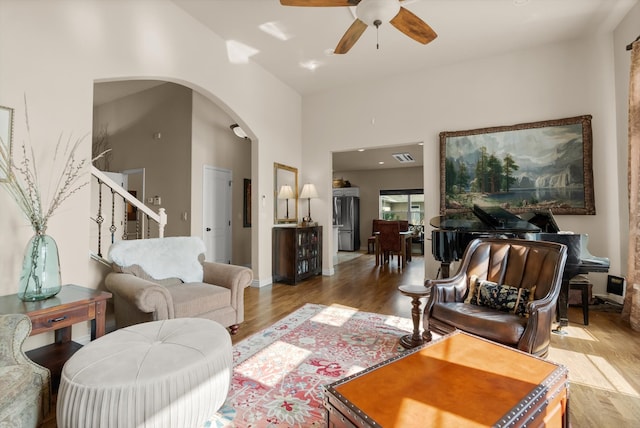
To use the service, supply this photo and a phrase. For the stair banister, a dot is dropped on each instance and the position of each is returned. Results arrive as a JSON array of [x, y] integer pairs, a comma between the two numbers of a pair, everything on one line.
[[160, 217]]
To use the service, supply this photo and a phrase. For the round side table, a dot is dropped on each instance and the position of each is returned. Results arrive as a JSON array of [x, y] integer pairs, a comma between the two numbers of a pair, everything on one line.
[[416, 292]]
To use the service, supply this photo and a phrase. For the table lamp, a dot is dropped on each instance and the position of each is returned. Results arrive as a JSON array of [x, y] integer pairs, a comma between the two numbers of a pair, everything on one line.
[[286, 192], [308, 192]]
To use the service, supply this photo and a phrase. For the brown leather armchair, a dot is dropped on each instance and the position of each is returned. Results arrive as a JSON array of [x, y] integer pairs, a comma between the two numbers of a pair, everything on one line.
[[534, 266]]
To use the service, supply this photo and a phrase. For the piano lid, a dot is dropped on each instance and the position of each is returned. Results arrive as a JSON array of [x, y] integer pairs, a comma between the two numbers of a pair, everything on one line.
[[543, 219], [484, 219]]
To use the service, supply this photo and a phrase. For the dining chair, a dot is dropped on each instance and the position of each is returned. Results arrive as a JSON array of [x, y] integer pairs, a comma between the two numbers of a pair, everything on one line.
[[390, 241], [371, 242]]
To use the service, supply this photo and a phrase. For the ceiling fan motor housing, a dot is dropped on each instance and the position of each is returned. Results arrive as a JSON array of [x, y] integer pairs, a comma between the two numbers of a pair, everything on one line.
[[369, 11]]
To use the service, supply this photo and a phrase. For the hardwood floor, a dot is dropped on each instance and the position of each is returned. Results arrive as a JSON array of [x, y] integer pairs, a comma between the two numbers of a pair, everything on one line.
[[603, 358]]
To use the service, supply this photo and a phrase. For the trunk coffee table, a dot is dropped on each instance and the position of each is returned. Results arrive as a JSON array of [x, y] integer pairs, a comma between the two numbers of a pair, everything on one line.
[[459, 380]]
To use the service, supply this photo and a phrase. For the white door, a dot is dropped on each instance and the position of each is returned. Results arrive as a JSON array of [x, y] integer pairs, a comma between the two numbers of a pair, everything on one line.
[[216, 215]]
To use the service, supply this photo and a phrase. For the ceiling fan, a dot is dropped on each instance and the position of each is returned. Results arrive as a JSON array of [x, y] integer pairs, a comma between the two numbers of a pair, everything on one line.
[[373, 12]]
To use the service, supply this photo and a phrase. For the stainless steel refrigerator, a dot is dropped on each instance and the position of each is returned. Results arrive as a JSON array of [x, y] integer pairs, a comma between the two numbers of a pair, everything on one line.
[[346, 214]]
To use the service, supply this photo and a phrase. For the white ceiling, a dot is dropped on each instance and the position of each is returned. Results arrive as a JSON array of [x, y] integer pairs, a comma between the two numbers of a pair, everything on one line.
[[371, 158], [466, 29]]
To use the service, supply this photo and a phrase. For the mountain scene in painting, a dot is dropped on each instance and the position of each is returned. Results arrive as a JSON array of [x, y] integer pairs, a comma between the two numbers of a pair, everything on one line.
[[537, 168]]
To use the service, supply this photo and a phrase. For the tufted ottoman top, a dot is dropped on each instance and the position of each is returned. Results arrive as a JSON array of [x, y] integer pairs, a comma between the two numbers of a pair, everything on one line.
[[165, 373]]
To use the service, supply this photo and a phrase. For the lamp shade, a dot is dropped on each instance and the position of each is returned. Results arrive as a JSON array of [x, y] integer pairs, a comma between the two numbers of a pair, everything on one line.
[[286, 192], [308, 192]]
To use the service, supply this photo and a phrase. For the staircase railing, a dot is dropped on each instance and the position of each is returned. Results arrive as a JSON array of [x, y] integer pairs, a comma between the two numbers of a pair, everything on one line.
[[146, 217]]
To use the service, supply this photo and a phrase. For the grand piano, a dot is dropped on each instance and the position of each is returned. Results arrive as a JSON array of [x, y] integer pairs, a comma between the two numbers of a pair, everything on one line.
[[452, 233]]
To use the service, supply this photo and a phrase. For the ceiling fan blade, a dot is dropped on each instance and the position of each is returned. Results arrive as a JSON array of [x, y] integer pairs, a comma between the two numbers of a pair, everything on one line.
[[413, 26], [319, 3], [350, 37]]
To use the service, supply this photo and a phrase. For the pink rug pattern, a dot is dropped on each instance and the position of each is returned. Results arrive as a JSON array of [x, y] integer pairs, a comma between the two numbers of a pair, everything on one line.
[[279, 372]]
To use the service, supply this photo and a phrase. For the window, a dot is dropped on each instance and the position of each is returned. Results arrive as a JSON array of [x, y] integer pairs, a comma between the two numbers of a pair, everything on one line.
[[405, 204]]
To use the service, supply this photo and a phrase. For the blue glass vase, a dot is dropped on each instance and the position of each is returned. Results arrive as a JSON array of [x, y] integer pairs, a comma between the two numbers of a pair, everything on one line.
[[40, 277]]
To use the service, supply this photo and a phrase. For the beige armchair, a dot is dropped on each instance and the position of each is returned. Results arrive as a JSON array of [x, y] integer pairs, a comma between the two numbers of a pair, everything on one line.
[[164, 278], [505, 290], [26, 386]]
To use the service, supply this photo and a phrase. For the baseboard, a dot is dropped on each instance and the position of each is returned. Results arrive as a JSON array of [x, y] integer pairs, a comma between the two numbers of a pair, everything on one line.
[[610, 298], [82, 340], [257, 283]]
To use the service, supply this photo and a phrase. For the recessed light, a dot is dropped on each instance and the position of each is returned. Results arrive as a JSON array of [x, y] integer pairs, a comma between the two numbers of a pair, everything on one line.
[[361, 150], [381, 163]]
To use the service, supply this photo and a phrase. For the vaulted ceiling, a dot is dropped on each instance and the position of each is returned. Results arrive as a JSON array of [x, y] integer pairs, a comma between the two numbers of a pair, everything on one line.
[[295, 43]]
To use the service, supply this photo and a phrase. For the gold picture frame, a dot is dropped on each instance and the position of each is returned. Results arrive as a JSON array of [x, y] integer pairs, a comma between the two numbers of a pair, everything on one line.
[[524, 167], [6, 137]]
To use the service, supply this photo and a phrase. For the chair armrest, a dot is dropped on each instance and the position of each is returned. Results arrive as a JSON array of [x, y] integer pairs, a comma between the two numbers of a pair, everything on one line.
[[449, 289], [536, 335], [14, 329], [235, 278], [145, 295]]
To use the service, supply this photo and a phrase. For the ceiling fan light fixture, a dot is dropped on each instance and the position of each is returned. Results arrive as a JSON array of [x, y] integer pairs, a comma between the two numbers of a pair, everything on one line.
[[370, 11]]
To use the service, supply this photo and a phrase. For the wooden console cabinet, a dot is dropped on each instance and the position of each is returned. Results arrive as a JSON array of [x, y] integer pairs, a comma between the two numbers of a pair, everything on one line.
[[73, 304], [297, 253]]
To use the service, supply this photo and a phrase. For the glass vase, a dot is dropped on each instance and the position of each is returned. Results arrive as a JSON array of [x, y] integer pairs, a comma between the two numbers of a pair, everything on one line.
[[40, 277]]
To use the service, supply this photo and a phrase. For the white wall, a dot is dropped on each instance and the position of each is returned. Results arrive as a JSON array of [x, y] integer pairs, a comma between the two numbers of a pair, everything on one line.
[[54, 51], [549, 82]]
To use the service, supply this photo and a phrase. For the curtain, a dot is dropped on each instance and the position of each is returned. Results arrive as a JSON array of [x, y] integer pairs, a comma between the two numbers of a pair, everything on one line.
[[631, 308]]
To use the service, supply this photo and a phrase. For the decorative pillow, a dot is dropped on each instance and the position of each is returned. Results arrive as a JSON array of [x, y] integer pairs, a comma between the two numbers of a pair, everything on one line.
[[528, 294], [504, 297], [472, 295]]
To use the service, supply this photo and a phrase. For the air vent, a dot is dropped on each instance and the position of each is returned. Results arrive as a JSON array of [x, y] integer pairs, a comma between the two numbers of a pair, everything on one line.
[[403, 157]]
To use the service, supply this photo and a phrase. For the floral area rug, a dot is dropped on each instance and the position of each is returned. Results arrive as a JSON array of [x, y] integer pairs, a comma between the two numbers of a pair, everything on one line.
[[279, 372]]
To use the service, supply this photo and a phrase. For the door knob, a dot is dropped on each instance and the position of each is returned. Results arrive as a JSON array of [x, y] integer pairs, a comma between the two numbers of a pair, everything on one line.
[[208, 229]]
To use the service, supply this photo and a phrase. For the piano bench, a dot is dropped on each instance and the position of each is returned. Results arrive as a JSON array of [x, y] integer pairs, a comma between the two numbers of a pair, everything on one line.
[[581, 283]]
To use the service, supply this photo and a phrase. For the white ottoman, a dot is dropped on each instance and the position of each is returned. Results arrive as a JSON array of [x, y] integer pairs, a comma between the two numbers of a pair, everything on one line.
[[172, 373]]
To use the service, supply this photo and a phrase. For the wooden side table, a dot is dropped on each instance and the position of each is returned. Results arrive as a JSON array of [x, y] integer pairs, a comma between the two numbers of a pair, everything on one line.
[[416, 292], [73, 304]]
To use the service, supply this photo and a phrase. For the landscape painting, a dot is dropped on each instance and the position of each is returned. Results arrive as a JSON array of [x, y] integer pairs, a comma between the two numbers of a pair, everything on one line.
[[532, 166]]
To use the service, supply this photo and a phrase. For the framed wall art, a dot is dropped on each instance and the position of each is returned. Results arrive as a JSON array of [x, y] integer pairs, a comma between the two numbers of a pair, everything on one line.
[[525, 167], [6, 135], [246, 206]]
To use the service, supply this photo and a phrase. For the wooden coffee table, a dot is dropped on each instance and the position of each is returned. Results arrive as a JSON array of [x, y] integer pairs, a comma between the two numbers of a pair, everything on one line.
[[458, 380]]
